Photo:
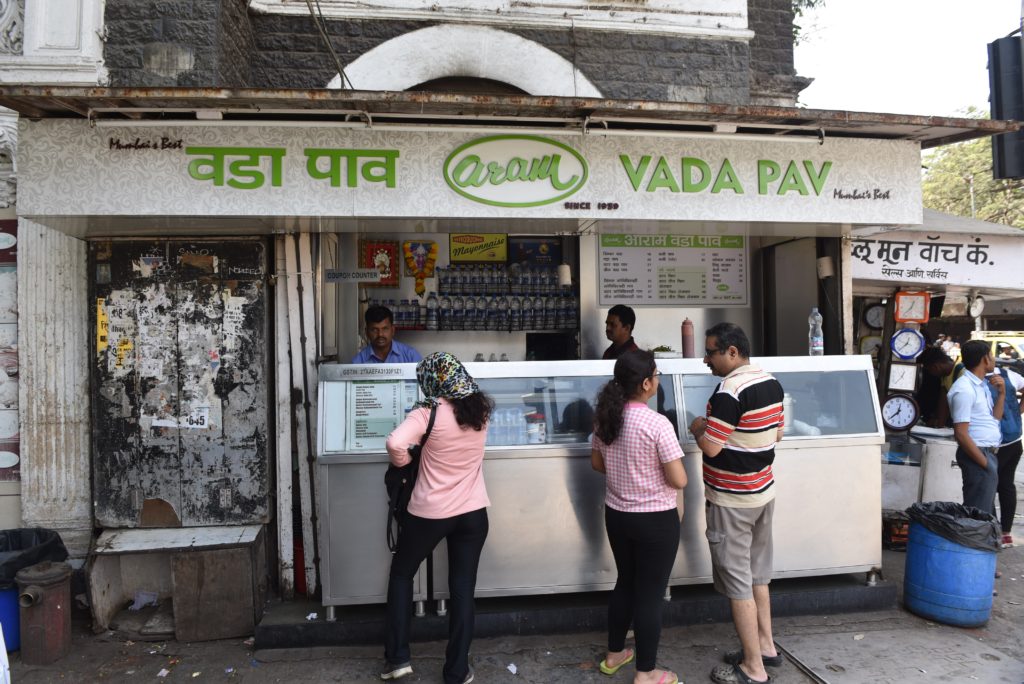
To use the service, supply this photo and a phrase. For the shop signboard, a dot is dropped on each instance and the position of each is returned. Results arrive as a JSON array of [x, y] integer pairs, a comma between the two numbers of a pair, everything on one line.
[[477, 248], [72, 168], [673, 270], [991, 261]]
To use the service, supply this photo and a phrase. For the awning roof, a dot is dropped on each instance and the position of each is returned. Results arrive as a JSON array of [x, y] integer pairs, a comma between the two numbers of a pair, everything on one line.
[[216, 106]]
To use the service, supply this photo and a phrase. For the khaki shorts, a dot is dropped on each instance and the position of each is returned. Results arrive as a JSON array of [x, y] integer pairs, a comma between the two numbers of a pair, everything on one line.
[[740, 540]]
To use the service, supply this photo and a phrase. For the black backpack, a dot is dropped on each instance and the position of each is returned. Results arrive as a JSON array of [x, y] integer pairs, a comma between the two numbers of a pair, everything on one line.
[[399, 482]]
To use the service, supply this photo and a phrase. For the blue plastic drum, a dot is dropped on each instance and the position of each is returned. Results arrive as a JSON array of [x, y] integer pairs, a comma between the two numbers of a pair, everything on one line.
[[947, 582], [10, 618]]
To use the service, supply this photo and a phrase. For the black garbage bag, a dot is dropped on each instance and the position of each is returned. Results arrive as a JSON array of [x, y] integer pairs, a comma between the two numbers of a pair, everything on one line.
[[965, 525], [28, 546]]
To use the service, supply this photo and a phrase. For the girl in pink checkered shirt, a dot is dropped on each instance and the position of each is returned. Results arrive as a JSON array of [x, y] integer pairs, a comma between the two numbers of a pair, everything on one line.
[[638, 451]]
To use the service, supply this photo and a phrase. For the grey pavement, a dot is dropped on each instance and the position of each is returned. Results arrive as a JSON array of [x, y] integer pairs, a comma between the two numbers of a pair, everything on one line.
[[881, 646]]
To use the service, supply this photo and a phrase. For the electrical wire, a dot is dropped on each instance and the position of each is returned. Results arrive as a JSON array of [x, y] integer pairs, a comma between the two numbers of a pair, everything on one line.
[[321, 25]]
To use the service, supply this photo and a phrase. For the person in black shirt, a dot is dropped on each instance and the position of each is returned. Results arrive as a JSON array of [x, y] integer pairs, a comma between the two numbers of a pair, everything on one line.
[[618, 328]]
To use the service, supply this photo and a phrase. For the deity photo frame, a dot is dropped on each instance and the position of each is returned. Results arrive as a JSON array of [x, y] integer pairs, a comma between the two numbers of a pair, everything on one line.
[[382, 255]]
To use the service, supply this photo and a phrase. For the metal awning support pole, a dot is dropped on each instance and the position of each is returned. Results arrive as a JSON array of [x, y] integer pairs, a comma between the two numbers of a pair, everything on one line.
[[283, 416], [310, 354], [297, 386]]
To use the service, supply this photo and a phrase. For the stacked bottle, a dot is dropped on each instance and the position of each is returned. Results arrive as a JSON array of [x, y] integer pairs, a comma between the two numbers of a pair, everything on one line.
[[494, 298]]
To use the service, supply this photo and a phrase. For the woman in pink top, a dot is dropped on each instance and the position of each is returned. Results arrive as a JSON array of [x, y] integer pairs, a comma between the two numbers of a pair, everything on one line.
[[638, 451], [449, 502]]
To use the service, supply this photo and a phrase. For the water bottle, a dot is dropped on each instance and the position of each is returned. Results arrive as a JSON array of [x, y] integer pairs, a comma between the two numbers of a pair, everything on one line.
[[432, 319], [458, 313], [524, 280], [455, 279], [550, 313], [515, 310], [562, 321], [444, 280], [493, 358], [474, 280], [471, 313], [815, 336], [481, 313], [444, 313], [574, 312], [538, 313], [544, 276], [535, 280], [527, 314], [494, 315]]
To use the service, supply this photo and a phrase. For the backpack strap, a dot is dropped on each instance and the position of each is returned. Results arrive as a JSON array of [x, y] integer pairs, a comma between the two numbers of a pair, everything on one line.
[[430, 426]]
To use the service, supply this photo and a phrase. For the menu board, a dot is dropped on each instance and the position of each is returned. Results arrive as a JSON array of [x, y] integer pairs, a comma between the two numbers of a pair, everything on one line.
[[673, 270], [375, 408]]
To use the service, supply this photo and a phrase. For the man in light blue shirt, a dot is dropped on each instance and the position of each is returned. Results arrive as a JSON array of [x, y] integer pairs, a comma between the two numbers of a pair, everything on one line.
[[976, 417], [383, 347]]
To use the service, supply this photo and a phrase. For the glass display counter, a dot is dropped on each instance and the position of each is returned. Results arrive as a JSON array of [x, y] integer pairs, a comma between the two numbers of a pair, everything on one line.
[[547, 504]]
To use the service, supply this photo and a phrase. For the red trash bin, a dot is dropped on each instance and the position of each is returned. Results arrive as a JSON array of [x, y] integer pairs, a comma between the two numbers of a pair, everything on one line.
[[44, 594]]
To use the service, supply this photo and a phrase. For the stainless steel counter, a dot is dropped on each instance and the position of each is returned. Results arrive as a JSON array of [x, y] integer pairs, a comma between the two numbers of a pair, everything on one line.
[[547, 504]]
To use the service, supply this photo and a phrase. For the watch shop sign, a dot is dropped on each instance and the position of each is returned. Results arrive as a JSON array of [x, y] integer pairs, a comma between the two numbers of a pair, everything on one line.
[[939, 259]]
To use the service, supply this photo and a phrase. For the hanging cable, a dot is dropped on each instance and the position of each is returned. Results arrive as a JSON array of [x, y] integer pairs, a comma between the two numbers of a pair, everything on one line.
[[321, 25]]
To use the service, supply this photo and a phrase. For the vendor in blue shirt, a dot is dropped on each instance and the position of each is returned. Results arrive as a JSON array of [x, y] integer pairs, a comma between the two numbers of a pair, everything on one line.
[[383, 347]]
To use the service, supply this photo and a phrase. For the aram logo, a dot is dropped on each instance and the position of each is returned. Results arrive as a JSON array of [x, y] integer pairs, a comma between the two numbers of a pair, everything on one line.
[[515, 170]]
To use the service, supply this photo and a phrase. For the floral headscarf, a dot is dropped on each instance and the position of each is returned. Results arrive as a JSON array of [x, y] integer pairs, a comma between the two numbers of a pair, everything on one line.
[[442, 375]]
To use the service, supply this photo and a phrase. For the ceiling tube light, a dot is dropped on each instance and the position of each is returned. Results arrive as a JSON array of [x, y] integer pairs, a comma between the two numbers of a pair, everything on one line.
[[209, 114]]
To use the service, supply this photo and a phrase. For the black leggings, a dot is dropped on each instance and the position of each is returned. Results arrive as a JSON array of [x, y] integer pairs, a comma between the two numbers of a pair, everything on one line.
[[465, 534], [1009, 457], [644, 546]]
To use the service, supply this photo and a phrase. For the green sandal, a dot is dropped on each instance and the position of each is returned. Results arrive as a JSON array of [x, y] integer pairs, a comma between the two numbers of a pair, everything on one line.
[[605, 669]]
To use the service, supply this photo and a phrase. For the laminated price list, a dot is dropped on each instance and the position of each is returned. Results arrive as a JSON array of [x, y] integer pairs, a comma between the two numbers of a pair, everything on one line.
[[375, 408], [673, 270]]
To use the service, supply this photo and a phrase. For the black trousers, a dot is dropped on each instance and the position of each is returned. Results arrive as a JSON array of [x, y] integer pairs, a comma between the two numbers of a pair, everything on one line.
[[644, 546], [465, 534], [1009, 457]]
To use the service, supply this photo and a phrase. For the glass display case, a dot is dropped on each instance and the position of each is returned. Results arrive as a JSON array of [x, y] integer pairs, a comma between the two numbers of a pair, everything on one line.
[[547, 504]]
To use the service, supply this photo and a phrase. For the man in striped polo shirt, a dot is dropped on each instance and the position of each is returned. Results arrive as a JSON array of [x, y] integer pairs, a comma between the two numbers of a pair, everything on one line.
[[744, 421]]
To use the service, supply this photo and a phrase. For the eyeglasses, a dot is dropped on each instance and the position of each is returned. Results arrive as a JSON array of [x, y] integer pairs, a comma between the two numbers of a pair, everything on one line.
[[712, 352], [655, 373]]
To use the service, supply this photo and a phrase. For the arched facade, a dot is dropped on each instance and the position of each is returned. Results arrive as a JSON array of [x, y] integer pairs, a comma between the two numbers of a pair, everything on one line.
[[466, 51]]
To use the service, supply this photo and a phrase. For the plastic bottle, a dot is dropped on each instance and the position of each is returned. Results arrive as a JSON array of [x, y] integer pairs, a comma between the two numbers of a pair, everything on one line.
[[493, 358], [494, 314], [574, 312], [471, 313], [550, 313], [815, 335], [444, 313], [527, 314], [515, 312], [538, 313], [481, 313], [686, 330], [432, 321], [443, 279], [458, 313]]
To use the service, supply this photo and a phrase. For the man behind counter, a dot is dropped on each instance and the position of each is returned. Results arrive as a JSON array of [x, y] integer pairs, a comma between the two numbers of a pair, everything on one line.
[[618, 328], [383, 347]]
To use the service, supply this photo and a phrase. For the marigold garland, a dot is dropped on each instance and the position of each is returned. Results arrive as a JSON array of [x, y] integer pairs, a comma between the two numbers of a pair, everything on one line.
[[420, 270]]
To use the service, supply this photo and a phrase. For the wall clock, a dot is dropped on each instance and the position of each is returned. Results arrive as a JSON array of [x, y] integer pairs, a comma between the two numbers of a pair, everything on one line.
[[902, 377], [874, 316], [907, 343], [899, 412], [912, 307]]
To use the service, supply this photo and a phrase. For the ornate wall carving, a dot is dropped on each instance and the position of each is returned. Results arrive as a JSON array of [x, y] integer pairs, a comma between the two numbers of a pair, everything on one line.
[[12, 27]]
